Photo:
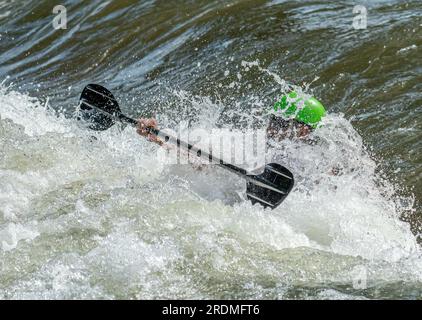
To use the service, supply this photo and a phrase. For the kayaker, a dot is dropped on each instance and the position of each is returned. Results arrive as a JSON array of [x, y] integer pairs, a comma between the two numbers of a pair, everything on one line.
[[285, 122], [289, 121]]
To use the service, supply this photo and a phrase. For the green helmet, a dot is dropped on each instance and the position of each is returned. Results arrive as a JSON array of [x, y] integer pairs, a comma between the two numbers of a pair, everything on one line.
[[311, 113]]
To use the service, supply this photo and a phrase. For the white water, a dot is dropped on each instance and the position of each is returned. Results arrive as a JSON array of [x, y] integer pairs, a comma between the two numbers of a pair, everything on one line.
[[85, 218]]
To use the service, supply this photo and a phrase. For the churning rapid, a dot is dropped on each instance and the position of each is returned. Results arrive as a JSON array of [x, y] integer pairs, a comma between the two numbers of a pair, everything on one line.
[[87, 214]]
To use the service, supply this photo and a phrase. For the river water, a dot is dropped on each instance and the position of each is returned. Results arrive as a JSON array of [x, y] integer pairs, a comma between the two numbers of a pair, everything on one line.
[[84, 217]]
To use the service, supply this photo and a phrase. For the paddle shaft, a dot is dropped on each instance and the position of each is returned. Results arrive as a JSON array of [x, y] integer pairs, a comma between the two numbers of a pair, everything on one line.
[[190, 148]]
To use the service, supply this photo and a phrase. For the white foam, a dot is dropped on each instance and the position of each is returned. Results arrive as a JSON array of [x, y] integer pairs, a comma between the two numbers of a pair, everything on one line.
[[13, 233], [17, 107], [141, 229]]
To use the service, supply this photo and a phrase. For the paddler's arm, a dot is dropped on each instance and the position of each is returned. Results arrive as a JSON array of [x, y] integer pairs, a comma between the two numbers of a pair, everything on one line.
[[142, 129]]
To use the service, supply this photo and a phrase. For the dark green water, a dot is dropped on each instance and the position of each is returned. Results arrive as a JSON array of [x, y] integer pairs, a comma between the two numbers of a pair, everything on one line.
[[174, 59]]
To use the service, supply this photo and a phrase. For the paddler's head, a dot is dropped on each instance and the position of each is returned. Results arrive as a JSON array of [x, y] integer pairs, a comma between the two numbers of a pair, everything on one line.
[[294, 118]]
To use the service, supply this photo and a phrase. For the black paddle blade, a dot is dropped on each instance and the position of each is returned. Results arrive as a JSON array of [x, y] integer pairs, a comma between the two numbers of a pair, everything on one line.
[[271, 187], [96, 106]]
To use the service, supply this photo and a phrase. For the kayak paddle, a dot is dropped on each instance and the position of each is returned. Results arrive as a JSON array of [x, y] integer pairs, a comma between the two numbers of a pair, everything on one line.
[[100, 109]]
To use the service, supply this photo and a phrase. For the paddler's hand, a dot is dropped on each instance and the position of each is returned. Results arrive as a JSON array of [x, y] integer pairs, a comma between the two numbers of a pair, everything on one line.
[[142, 129]]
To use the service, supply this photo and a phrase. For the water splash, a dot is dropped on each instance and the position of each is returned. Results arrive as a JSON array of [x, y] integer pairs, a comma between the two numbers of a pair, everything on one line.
[[138, 229]]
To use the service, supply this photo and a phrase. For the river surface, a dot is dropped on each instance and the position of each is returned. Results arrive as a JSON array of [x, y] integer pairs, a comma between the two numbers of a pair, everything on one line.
[[97, 215]]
